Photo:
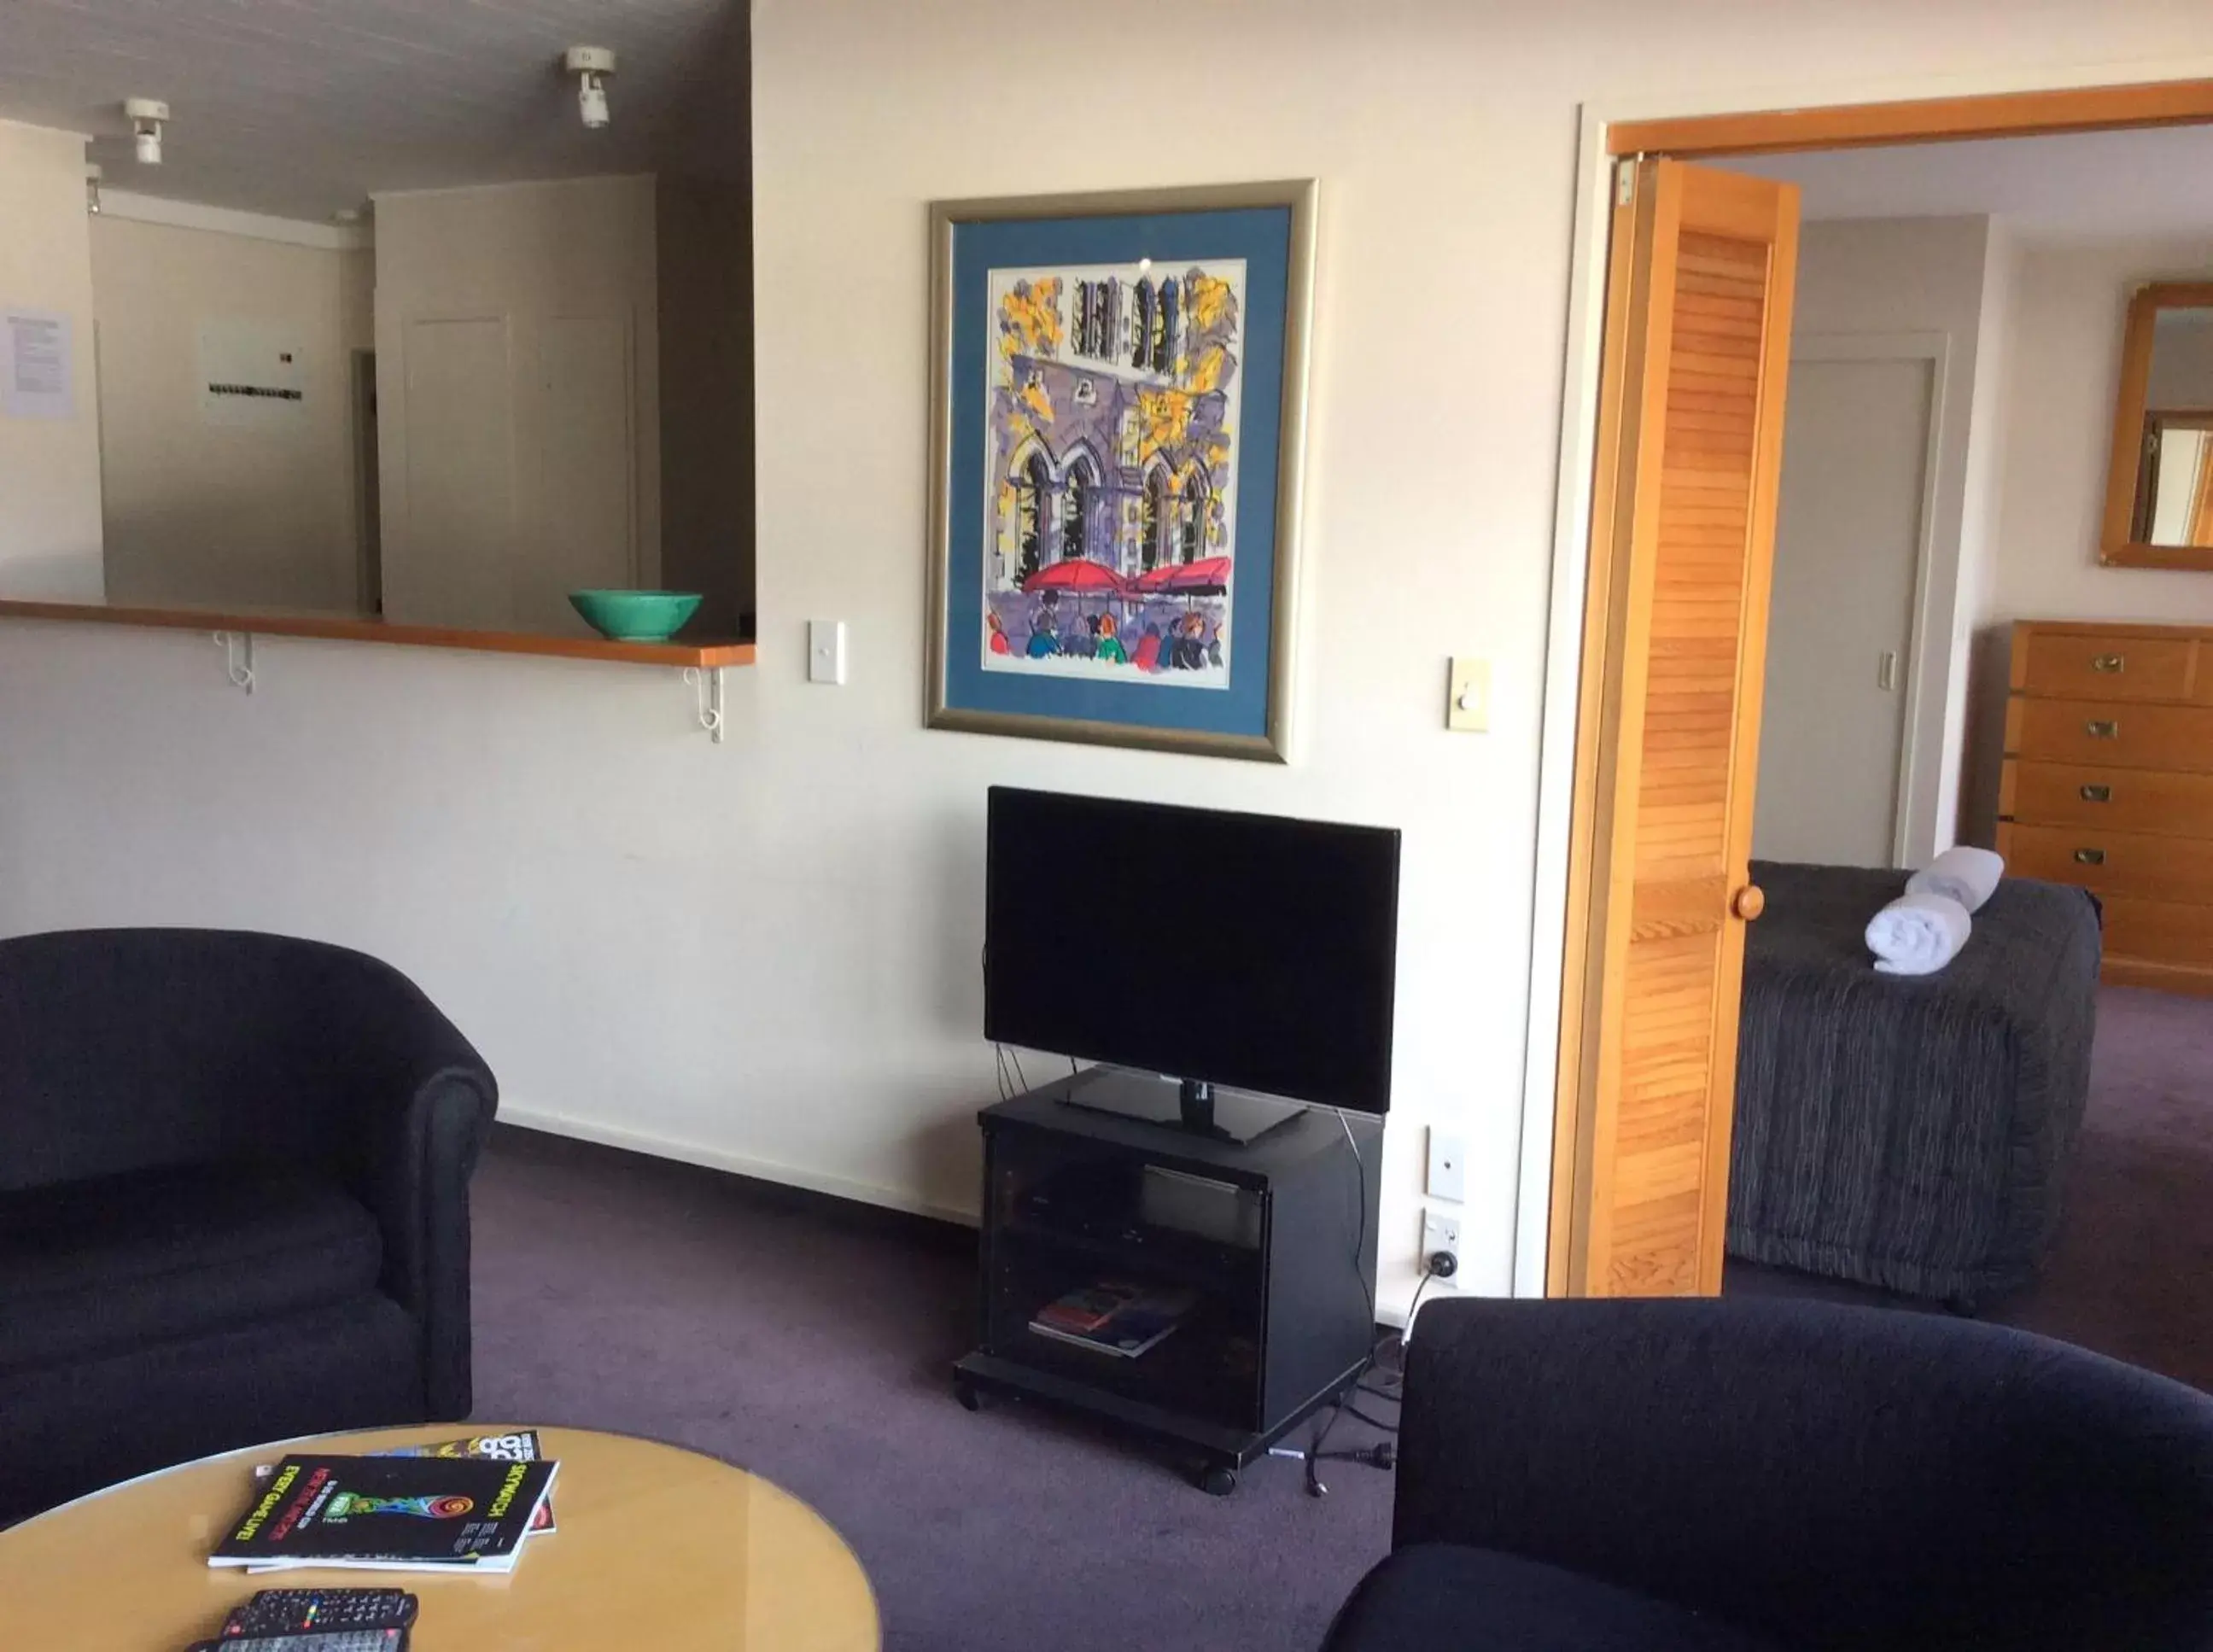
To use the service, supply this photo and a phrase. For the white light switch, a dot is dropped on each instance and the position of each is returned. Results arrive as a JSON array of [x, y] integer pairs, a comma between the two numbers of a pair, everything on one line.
[[825, 651], [1467, 707], [1447, 1178]]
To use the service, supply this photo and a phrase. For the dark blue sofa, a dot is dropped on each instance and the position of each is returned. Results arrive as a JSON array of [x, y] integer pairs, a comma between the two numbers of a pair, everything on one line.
[[1717, 1476]]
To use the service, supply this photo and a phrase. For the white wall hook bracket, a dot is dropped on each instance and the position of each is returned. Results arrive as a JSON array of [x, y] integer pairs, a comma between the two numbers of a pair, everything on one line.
[[237, 657], [707, 687]]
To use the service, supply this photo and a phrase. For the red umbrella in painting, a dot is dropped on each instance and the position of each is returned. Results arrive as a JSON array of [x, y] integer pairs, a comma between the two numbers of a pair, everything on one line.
[[1081, 576], [1208, 576], [1081, 579]]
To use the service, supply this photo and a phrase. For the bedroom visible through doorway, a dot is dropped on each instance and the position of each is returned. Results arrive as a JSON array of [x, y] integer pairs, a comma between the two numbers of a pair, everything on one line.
[[2007, 527]]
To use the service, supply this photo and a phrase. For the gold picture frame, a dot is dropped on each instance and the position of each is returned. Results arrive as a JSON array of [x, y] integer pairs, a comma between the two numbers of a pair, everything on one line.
[[1145, 533], [2141, 421]]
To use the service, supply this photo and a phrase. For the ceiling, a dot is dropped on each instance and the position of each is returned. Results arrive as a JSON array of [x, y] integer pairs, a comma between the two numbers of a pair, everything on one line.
[[304, 108], [2125, 183]]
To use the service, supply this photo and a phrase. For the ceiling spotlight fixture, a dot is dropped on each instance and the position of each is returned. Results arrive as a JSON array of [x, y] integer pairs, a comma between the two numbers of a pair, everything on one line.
[[146, 116], [91, 187], [591, 65]]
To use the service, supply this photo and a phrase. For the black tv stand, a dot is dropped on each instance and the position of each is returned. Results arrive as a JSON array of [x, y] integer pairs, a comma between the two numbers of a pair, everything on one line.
[[1273, 1239], [1191, 1105]]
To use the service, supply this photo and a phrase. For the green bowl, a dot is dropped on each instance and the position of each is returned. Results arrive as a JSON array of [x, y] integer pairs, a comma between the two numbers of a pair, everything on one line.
[[635, 616]]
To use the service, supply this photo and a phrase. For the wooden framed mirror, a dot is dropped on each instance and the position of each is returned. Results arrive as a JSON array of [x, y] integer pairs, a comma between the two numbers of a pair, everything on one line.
[[2158, 491]]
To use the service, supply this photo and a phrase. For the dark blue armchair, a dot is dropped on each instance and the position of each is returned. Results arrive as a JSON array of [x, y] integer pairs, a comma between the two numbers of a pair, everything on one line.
[[234, 1200], [1707, 1475]]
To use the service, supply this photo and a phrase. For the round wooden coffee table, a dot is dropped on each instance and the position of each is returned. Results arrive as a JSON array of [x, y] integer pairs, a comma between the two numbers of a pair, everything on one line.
[[656, 1546]]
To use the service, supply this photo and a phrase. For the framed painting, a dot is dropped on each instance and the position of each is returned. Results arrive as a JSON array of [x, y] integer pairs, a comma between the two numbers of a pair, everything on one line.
[[1118, 413]]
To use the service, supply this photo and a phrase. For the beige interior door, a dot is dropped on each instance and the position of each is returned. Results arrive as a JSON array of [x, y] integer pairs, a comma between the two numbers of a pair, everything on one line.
[[1847, 556], [1689, 463]]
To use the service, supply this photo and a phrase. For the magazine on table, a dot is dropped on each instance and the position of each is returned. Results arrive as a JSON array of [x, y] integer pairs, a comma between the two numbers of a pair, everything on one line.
[[521, 1445], [389, 1512]]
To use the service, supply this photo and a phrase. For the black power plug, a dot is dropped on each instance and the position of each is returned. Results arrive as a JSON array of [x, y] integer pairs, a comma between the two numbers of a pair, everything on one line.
[[1443, 1264]]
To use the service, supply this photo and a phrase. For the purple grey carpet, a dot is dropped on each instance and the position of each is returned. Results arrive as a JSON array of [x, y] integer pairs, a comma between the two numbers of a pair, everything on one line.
[[2132, 1272], [623, 1293]]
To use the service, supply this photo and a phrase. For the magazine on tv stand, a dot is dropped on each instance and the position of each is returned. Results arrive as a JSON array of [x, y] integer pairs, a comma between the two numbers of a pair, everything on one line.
[[1123, 1321]]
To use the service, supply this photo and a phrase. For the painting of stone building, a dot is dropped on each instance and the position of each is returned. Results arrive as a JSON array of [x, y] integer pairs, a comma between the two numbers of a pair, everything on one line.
[[1109, 473]]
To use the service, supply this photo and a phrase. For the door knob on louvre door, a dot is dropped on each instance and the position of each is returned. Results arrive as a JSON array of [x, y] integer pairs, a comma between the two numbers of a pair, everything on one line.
[[1749, 902]]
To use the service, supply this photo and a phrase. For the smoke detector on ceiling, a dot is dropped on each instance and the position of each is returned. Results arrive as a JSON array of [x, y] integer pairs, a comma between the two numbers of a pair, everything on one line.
[[146, 116], [591, 65]]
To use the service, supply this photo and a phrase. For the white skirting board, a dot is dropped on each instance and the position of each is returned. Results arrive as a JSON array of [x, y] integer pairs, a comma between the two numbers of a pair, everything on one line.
[[664, 1147]]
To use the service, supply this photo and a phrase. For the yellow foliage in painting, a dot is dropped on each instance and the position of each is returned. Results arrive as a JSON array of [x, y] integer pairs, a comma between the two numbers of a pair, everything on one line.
[[1029, 319], [1208, 373], [1034, 397], [1207, 299], [1163, 420]]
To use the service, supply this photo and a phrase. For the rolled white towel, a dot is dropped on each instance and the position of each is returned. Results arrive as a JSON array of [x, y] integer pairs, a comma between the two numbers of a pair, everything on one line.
[[1968, 875], [1918, 934]]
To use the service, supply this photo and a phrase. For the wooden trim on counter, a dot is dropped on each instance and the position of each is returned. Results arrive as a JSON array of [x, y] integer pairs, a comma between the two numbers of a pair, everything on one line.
[[1921, 120], [340, 628]]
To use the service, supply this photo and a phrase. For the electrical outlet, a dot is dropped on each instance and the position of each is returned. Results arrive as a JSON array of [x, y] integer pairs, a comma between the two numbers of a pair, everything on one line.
[[1448, 1177], [1439, 1232]]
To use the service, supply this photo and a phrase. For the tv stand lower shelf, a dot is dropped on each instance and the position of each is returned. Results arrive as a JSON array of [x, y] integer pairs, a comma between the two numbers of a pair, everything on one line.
[[1270, 1242], [1223, 1452]]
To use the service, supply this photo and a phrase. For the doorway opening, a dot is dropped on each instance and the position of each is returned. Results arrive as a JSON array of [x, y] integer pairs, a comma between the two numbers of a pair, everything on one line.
[[1637, 1117], [369, 531]]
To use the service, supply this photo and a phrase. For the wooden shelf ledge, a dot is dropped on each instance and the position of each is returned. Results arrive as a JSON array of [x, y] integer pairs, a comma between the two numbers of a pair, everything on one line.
[[706, 652]]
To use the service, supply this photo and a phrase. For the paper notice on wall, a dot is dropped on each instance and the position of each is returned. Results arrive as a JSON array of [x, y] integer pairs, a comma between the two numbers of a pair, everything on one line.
[[252, 373], [38, 370]]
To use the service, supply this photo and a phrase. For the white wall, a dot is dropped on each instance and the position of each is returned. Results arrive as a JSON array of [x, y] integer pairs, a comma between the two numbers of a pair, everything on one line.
[[518, 374], [1889, 276], [204, 510], [49, 468], [2063, 347], [764, 952]]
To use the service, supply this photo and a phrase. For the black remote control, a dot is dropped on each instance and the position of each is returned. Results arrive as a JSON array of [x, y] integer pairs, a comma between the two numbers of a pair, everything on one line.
[[297, 1612], [315, 1640]]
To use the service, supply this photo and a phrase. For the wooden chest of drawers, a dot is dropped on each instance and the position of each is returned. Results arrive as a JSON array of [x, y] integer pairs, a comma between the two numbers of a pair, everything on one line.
[[2109, 785]]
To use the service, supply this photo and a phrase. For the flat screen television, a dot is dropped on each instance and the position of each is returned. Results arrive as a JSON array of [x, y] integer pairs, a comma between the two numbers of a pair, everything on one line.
[[1249, 951]]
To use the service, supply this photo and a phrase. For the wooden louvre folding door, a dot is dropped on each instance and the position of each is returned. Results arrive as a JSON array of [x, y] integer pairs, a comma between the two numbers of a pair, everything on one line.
[[1698, 348]]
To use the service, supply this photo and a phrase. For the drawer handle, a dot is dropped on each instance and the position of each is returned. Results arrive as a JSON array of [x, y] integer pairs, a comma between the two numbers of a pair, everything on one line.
[[2090, 857], [2097, 794], [2098, 730], [2111, 664]]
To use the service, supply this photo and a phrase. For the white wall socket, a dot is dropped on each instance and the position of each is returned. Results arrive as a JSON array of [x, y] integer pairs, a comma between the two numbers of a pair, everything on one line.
[[1439, 1232], [1447, 1178]]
